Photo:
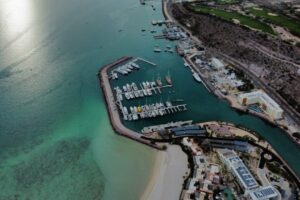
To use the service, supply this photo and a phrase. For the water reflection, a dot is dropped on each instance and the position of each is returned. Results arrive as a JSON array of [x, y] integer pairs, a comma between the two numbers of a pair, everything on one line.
[[16, 15]]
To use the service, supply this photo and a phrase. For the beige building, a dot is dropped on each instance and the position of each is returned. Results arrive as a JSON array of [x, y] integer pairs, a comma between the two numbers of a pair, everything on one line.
[[266, 103]]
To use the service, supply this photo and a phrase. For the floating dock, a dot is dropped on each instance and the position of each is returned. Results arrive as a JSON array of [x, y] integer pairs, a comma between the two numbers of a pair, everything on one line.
[[150, 111]]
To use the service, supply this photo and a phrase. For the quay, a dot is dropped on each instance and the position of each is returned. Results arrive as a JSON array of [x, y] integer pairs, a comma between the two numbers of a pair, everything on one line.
[[155, 128], [113, 110]]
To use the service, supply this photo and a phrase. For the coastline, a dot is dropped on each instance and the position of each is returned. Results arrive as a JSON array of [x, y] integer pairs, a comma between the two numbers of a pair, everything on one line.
[[166, 178], [288, 132]]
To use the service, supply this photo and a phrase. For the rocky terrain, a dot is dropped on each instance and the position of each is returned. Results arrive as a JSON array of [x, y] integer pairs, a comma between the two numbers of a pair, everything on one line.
[[274, 62]]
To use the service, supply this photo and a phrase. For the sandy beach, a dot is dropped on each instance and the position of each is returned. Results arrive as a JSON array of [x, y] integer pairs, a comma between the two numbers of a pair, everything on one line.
[[167, 175]]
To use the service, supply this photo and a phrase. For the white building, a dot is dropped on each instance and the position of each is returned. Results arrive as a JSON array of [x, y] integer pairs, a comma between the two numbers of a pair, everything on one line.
[[264, 193], [217, 64], [268, 105], [238, 168], [253, 191]]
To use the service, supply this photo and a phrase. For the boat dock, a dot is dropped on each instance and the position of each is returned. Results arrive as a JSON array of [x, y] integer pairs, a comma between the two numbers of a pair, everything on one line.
[[146, 61], [111, 106], [161, 127], [144, 89], [149, 111]]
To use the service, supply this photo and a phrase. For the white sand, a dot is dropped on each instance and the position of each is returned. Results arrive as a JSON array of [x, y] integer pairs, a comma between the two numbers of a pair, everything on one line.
[[167, 177]]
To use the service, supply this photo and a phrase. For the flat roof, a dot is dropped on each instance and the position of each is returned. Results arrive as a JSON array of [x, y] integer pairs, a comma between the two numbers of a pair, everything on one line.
[[262, 95], [239, 168], [263, 193], [182, 128], [189, 132], [246, 176]]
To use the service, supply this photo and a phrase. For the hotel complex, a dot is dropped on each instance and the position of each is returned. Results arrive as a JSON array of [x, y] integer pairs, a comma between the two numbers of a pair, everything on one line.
[[252, 190], [268, 105]]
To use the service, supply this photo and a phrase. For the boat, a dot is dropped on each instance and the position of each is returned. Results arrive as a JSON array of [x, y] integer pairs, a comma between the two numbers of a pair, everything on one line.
[[136, 66], [125, 111], [158, 81], [197, 77], [168, 79], [168, 46], [144, 85], [168, 104], [187, 65], [145, 92], [157, 50], [131, 95], [125, 88], [128, 87]]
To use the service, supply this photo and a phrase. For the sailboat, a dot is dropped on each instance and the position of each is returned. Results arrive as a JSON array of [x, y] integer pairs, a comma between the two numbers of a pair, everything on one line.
[[168, 78], [158, 81]]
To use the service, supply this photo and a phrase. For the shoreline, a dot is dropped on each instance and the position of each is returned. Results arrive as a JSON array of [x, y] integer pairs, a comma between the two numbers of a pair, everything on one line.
[[166, 179], [169, 16]]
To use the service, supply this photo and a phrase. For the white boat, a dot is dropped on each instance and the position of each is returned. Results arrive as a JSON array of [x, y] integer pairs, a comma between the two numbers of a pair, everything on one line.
[[197, 77], [157, 50], [187, 65], [144, 85], [168, 104], [136, 66], [128, 87], [131, 109], [131, 95], [125, 88]]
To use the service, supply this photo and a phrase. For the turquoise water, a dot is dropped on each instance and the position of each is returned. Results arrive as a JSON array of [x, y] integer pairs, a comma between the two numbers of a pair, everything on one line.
[[55, 138]]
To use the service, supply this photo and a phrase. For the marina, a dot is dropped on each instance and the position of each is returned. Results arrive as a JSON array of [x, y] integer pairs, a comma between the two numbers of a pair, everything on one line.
[[144, 89], [111, 105]]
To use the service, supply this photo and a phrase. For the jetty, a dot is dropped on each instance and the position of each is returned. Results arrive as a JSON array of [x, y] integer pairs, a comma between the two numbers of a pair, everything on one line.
[[112, 107], [146, 61]]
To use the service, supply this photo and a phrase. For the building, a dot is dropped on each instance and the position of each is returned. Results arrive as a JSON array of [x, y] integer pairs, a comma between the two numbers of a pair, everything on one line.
[[190, 130], [264, 193], [268, 105], [238, 169], [238, 145], [217, 64]]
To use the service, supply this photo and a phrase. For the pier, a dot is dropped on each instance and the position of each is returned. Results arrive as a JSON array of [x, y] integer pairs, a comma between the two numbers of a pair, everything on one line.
[[111, 106], [146, 61]]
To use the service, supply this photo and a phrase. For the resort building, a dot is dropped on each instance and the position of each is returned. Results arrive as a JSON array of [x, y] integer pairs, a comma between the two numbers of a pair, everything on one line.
[[252, 190], [268, 105], [264, 193], [238, 168]]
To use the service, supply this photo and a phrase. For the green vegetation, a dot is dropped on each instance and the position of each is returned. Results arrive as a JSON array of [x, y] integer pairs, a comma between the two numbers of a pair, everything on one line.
[[292, 25], [227, 1], [230, 16]]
